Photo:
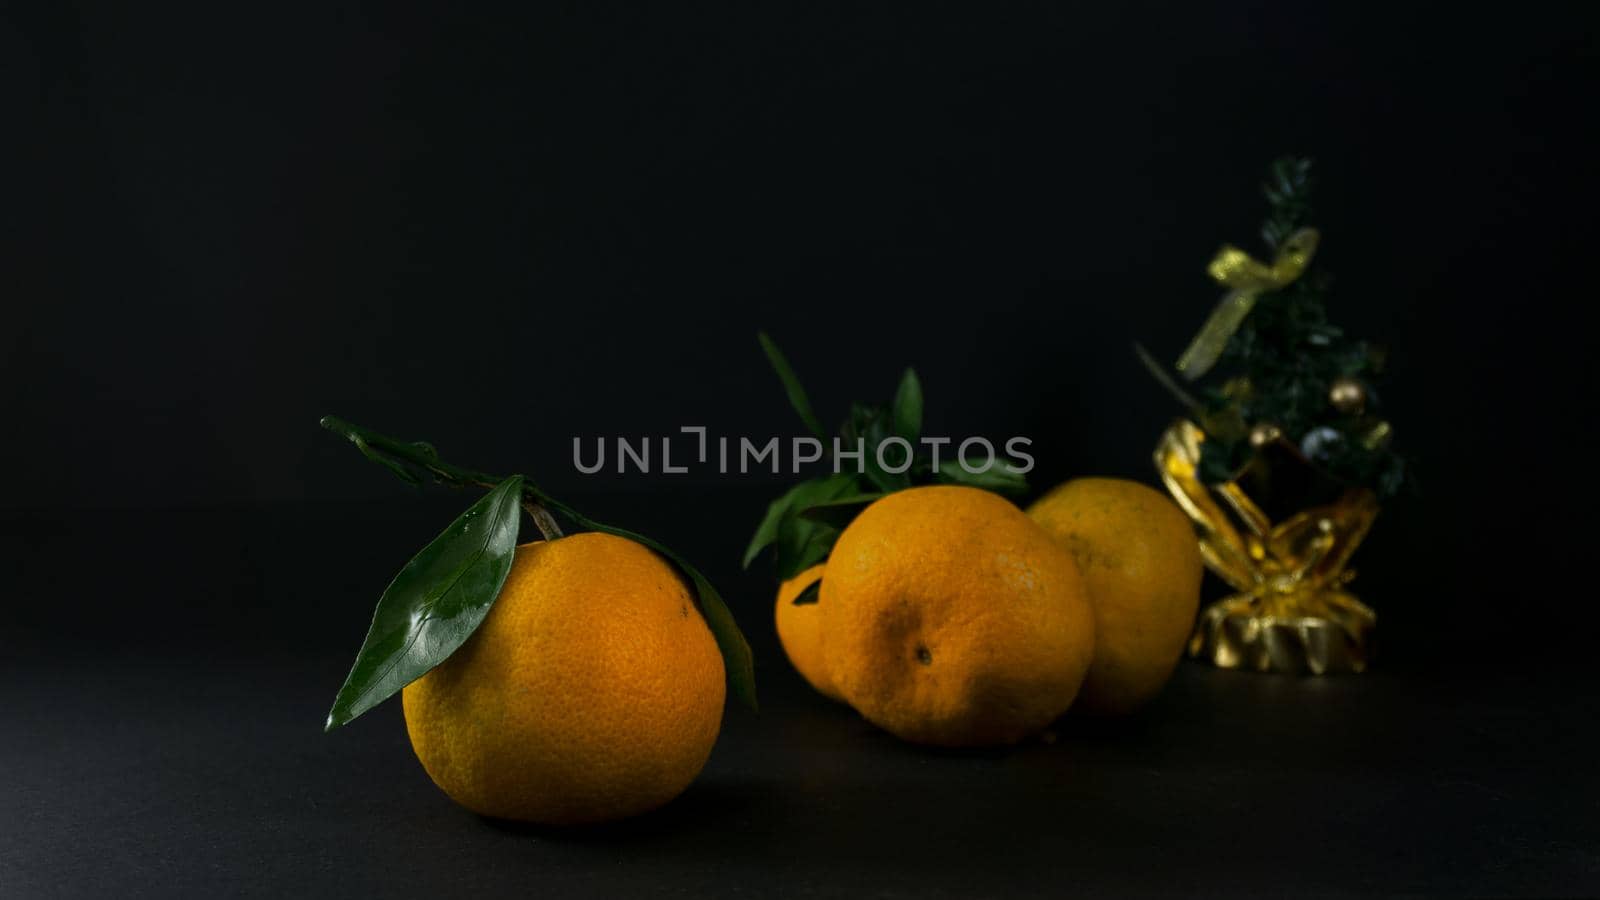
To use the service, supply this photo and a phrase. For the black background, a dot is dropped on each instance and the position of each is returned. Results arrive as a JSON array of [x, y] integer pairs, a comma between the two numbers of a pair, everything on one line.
[[500, 232]]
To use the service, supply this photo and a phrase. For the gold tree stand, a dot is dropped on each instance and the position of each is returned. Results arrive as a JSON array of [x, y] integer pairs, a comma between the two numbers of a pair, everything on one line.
[[1291, 613]]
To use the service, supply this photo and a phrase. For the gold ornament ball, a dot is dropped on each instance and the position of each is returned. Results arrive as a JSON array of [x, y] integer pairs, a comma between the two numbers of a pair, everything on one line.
[[1264, 434], [1347, 396]]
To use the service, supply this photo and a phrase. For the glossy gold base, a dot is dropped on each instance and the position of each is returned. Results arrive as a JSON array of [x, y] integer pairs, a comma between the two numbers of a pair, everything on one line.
[[1333, 634], [1291, 612]]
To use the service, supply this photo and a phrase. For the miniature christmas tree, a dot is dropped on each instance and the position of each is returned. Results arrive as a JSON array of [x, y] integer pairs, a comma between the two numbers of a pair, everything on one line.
[[1287, 400]]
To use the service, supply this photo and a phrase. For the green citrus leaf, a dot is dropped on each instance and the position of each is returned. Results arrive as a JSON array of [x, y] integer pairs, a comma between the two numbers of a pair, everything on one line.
[[776, 524], [813, 544], [872, 424], [908, 407], [865, 418], [839, 512], [884, 480], [435, 603], [997, 478], [802, 543], [791, 384], [400, 470], [767, 531]]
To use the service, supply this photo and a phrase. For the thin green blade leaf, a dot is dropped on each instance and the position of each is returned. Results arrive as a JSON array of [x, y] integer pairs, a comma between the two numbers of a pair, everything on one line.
[[997, 478], [436, 602], [908, 407], [791, 385], [802, 543], [840, 512], [767, 531], [403, 473], [875, 428], [781, 512], [884, 480], [814, 545]]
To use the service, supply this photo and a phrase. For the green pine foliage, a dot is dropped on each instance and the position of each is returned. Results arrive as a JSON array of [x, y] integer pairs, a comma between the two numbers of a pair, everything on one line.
[[1279, 366]]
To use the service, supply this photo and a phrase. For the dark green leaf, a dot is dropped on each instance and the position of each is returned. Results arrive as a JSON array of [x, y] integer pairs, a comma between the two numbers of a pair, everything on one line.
[[791, 384], [809, 595], [998, 477], [908, 407], [814, 541], [802, 543], [736, 657], [435, 603], [861, 421], [767, 531], [786, 507], [399, 469], [884, 480], [874, 427], [839, 512]]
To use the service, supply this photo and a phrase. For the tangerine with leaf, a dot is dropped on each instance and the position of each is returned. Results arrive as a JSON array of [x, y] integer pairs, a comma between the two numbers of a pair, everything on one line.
[[572, 680]]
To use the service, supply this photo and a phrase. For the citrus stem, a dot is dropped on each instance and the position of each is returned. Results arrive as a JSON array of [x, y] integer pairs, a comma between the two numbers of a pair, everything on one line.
[[542, 520], [409, 458]]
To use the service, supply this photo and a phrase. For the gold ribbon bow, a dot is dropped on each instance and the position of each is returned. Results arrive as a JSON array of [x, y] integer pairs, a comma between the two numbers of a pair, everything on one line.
[[1247, 279]]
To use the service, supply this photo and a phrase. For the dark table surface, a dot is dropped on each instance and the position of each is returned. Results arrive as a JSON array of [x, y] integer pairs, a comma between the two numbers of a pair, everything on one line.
[[161, 697]]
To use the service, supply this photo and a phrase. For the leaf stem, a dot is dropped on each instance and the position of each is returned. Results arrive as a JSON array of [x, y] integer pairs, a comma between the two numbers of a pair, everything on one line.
[[542, 520], [410, 459], [402, 457]]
